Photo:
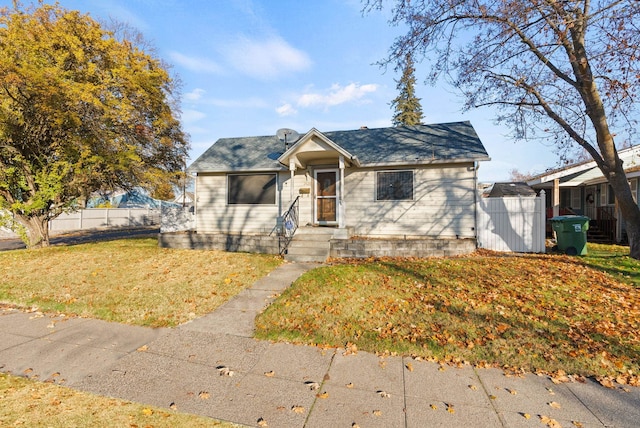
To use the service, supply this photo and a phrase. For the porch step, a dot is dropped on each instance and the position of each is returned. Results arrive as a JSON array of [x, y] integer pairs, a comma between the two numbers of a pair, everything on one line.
[[310, 244]]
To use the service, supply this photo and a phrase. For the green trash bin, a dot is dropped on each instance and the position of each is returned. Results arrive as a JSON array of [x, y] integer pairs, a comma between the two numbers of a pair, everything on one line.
[[571, 233]]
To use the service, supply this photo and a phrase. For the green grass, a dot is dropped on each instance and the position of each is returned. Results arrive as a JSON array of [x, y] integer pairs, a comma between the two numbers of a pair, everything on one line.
[[131, 281], [615, 260], [531, 312]]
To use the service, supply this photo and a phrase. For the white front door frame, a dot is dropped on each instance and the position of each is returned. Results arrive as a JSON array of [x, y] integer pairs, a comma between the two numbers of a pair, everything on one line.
[[336, 197]]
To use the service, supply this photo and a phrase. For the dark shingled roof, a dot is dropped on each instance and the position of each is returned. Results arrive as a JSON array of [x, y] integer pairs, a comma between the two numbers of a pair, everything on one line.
[[499, 190], [402, 145]]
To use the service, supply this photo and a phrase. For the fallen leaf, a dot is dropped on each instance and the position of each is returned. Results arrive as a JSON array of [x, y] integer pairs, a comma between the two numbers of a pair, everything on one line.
[[512, 391], [526, 415], [473, 387], [493, 397], [433, 407], [450, 409], [270, 373], [355, 425], [323, 395], [377, 413], [55, 401], [147, 411], [143, 348], [204, 395], [554, 405], [262, 423], [577, 424], [313, 385], [409, 367], [298, 409], [173, 406], [552, 423], [384, 394], [349, 385]]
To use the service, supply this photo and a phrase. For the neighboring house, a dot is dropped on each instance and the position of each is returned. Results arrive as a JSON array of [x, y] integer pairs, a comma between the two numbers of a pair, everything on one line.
[[135, 198], [501, 190], [582, 189], [406, 182]]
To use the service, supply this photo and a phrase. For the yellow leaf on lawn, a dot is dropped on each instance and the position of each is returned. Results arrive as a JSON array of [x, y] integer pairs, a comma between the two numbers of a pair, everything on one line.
[[147, 411]]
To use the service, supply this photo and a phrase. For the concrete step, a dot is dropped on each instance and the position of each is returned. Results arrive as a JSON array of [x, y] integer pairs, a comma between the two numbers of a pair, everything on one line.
[[305, 258]]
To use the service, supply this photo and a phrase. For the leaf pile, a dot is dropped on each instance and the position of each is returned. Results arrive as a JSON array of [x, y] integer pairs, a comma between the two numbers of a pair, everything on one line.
[[536, 313]]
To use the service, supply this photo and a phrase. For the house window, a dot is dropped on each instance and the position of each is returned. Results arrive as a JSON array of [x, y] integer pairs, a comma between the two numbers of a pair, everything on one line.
[[251, 189], [394, 186]]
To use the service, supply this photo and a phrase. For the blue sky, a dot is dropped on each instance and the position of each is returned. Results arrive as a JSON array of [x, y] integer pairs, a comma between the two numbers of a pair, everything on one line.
[[250, 67]]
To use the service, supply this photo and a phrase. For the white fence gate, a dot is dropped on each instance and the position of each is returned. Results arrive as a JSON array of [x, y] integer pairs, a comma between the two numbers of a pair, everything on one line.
[[514, 224]]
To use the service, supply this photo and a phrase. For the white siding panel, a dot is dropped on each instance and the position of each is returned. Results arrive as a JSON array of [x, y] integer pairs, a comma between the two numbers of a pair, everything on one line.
[[443, 204], [214, 215]]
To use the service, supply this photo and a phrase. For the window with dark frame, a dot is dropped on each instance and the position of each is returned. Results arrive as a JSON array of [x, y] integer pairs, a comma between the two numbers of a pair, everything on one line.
[[394, 185], [251, 189]]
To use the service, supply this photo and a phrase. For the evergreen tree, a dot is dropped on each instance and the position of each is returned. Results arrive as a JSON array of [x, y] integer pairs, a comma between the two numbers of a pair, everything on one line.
[[408, 110]]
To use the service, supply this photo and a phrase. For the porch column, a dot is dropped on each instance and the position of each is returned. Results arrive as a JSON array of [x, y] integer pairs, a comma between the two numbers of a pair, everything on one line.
[[556, 197], [292, 170], [341, 195]]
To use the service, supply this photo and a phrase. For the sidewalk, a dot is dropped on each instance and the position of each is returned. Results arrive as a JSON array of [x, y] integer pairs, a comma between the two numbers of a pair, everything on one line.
[[250, 382]]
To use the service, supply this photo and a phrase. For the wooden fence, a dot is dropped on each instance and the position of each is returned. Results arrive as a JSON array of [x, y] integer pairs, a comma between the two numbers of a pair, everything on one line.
[[513, 224]]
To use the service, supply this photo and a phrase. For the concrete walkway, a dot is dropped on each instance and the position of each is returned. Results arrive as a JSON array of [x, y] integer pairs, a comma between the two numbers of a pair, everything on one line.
[[212, 367]]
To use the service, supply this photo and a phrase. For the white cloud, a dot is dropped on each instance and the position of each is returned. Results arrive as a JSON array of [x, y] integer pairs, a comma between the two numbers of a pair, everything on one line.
[[336, 95], [286, 110], [191, 116], [197, 64], [266, 59], [194, 95]]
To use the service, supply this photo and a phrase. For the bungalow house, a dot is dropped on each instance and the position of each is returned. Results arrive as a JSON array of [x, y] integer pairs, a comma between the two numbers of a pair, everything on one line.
[[407, 190], [582, 189]]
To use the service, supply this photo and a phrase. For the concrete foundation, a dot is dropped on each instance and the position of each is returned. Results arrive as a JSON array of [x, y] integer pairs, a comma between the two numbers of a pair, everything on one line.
[[429, 247], [340, 248], [236, 243]]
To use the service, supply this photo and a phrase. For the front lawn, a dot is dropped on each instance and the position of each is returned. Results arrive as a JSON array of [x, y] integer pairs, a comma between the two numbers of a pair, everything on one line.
[[37, 404], [547, 313], [131, 281]]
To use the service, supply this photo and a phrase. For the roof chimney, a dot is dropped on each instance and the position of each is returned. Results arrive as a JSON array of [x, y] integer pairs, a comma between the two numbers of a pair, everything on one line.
[[364, 127]]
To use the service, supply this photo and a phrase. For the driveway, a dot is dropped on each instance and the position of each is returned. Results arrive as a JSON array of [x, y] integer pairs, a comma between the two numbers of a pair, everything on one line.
[[81, 237]]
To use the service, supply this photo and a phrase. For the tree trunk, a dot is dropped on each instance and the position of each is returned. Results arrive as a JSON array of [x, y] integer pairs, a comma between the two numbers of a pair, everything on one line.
[[629, 210], [37, 229]]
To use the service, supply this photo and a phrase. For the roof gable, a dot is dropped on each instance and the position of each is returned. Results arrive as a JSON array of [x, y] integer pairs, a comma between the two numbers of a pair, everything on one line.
[[395, 146]]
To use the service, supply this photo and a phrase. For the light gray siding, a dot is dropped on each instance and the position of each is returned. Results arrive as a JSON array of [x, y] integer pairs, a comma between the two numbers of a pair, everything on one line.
[[443, 204], [214, 215]]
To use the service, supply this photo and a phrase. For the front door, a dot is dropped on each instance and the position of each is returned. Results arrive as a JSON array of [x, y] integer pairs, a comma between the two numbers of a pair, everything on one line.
[[326, 206]]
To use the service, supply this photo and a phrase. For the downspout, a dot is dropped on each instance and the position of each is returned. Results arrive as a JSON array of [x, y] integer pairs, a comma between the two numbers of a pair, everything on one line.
[[341, 199], [476, 165]]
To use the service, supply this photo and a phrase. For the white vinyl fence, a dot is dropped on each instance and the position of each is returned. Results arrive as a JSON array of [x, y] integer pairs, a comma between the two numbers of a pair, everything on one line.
[[513, 224], [94, 218]]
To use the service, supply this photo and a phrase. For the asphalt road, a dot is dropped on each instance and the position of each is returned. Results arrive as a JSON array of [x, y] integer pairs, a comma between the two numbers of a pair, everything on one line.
[[81, 237]]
